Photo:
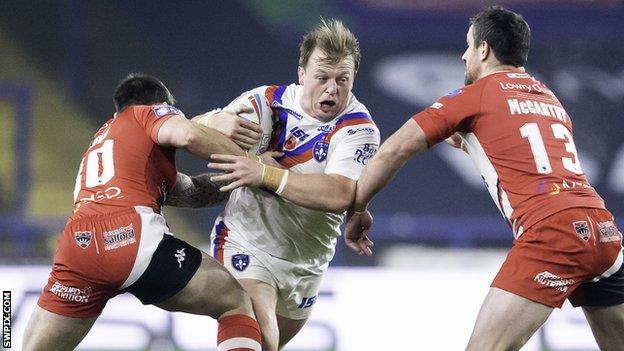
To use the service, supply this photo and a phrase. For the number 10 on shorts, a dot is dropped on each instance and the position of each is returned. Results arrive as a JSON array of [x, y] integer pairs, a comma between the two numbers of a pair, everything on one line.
[[307, 302]]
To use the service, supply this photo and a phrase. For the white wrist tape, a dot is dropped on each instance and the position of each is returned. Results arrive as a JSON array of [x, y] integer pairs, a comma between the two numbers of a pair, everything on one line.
[[282, 185]]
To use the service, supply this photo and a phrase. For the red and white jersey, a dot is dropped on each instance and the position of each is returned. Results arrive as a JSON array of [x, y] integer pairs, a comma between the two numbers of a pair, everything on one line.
[[124, 166], [520, 138], [258, 218]]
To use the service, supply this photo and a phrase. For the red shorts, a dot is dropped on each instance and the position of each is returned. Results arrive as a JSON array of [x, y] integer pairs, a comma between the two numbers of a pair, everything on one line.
[[100, 256], [575, 253]]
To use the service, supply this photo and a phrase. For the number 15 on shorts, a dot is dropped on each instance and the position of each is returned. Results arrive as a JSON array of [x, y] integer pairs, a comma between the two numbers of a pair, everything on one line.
[[307, 302]]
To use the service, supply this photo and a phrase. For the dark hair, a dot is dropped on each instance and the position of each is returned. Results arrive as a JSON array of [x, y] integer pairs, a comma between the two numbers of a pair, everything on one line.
[[141, 89], [506, 32]]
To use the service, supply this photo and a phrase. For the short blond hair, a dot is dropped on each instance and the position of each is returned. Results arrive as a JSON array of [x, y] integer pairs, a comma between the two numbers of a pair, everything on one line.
[[334, 39]]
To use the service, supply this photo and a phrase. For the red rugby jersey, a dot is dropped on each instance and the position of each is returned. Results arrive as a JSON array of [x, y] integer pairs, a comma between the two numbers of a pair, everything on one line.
[[520, 138], [124, 166]]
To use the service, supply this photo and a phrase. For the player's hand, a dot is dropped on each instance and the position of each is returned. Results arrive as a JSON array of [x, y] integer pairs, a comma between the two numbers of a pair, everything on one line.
[[356, 230], [456, 141], [239, 171], [243, 132], [268, 158]]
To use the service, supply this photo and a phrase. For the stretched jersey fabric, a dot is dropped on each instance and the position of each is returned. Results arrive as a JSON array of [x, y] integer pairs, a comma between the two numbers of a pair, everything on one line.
[[341, 146], [520, 138], [124, 166]]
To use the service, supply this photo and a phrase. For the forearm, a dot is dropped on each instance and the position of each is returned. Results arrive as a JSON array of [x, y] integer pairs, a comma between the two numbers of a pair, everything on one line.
[[405, 143], [211, 142], [196, 191], [321, 192]]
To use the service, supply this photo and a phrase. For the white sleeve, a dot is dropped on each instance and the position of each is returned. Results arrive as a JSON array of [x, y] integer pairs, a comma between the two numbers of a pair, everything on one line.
[[350, 150]]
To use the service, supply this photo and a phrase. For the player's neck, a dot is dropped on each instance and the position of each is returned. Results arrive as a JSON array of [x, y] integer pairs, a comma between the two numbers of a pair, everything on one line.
[[498, 67]]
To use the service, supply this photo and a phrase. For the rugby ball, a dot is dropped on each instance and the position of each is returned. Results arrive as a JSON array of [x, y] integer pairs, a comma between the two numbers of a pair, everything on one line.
[[262, 114]]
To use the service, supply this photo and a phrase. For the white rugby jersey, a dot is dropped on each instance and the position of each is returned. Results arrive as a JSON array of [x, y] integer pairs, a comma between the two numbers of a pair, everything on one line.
[[277, 226]]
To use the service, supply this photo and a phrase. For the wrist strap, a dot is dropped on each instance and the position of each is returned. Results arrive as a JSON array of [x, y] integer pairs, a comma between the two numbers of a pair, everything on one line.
[[282, 185], [274, 178]]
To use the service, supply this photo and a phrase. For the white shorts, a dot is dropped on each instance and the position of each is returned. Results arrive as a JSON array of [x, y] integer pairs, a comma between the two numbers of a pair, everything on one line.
[[296, 286]]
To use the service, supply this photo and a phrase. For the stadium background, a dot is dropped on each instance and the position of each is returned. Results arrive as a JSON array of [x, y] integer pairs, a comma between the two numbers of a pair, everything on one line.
[[439, 239]]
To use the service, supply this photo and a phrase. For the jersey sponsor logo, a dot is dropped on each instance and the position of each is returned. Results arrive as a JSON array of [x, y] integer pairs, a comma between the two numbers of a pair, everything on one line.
[[103, 133], [164, 110], [240, 262], [363, 130], [326, 128], [295, 114], [518, 75], [299, 134], [553, 281], [582, 229], [437, 105], [363, 154], [119, 237], [83, 239], [525, 87], [523, 107], [71, 293], [180, 256], [106, 194], [320, 150], [608, 232], [454, 93]]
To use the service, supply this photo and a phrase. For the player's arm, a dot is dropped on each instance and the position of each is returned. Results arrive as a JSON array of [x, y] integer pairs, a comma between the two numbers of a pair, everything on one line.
[[408, 141], [322, 192], [243, 132], [195, 191], [199, 140]]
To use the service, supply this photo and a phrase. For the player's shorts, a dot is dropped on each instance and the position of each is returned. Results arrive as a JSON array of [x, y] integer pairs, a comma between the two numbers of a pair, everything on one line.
[[297, 286], [575, 254], [101, 256]]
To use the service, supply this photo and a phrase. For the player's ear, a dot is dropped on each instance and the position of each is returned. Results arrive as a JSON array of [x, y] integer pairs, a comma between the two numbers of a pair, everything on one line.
[[301, 74], [484, 50]]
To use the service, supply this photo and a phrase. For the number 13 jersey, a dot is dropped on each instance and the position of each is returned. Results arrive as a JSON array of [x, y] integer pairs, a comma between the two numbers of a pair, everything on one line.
[[520, 138]]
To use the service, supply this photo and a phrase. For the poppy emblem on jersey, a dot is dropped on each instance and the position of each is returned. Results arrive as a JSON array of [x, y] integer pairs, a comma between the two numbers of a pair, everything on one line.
[[240, 261], [83, 239], [582, 229], [320, 150]]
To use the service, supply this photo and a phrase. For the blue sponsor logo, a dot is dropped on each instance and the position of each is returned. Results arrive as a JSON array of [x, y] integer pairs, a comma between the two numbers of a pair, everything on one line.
[[165, 110], [279, 106], [363, 154], [365, 130], [320, 150], [240, 262], [325, 128], [454, 93]]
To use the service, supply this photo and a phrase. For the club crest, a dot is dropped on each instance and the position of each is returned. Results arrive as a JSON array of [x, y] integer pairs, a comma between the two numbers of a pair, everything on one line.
[[320, 150], [582, 229], [240, 262], [83, 239]]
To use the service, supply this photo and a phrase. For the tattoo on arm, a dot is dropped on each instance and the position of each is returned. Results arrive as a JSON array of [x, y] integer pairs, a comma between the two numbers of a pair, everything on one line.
[[196, 191]]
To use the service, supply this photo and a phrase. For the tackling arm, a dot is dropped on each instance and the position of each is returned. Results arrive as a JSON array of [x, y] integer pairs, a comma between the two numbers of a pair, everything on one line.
[[408, 141], [196, 191], [199, 140]]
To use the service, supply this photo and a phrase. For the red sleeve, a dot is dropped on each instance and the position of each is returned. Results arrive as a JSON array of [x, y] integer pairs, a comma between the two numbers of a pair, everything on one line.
[[151, 118], [453, 112]]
